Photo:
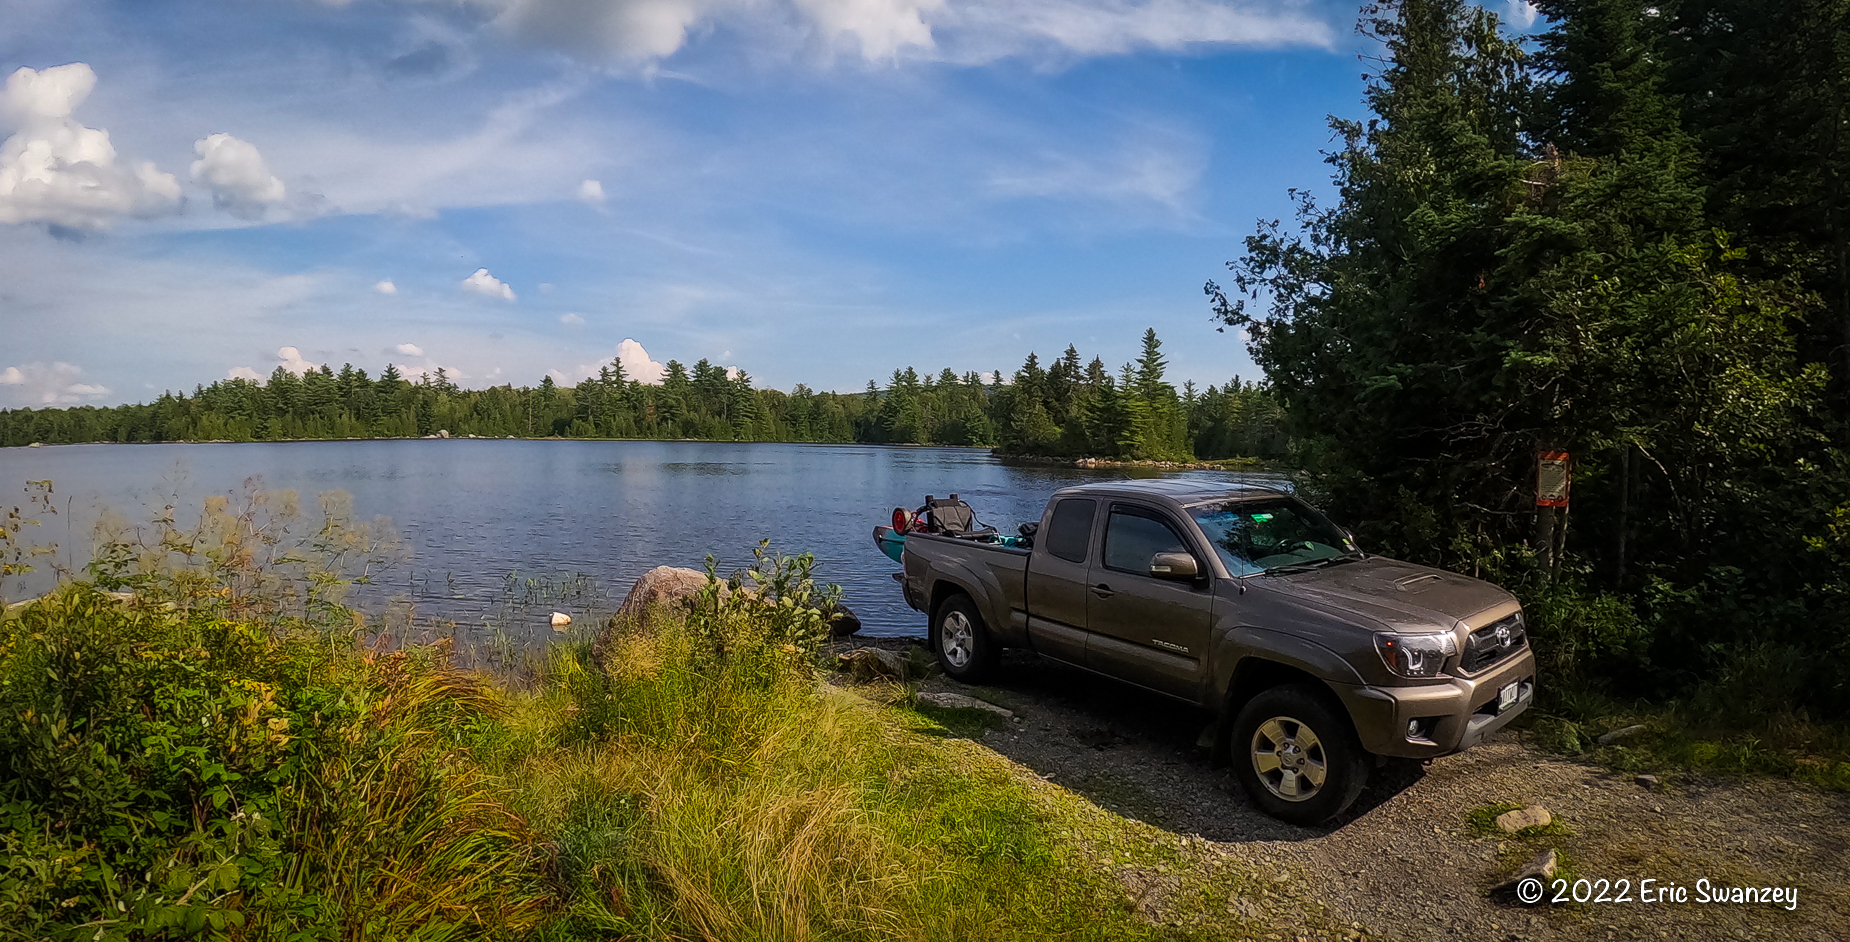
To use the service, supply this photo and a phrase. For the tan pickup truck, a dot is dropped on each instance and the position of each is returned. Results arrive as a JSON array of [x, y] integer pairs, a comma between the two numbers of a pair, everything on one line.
[[1314, 657]]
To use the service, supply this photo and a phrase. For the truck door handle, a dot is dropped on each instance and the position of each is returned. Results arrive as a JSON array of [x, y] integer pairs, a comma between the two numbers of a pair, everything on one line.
[[1103, 591]]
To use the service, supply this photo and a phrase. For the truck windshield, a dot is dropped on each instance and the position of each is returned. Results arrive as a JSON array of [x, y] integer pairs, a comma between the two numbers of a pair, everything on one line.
[[1256, 535]]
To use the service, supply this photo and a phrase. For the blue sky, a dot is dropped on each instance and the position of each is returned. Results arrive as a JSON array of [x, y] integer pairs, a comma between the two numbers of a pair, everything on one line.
[[815, 191]]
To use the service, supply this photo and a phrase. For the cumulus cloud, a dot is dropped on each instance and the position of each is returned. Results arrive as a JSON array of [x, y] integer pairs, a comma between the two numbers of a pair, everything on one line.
[[591, 191], [56, 171], [241, 183], [291, 359], [637, 365], [408, 349], [575, 320], [386, 287], [48, 384], [484, 283], [244, 372], [1521, 12]]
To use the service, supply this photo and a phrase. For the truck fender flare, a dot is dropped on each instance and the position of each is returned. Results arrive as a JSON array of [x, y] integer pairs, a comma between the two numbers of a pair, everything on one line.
[[1247, 660], [982, 588]]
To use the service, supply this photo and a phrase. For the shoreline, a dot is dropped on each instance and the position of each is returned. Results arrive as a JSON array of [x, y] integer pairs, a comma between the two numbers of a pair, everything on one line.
[[1218, 464]]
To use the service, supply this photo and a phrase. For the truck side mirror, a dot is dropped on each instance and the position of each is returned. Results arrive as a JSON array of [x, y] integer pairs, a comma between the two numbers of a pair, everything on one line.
[[1174, 566]]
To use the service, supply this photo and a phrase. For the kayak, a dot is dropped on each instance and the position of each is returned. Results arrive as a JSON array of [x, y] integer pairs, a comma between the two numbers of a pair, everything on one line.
[[891, 542]]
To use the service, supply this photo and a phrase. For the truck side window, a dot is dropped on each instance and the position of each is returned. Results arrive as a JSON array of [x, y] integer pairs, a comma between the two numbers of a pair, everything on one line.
[[1131, 539], [1070, 529]]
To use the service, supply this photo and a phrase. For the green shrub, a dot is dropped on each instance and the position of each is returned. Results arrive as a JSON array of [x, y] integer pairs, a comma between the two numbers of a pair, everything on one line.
[[164, 772]]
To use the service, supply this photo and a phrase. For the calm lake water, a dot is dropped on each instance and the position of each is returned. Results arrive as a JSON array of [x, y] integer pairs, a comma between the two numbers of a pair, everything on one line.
[[472, 512]]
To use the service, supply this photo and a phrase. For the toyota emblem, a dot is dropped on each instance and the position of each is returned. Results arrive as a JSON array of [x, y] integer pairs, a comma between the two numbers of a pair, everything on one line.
[[1503, 635]]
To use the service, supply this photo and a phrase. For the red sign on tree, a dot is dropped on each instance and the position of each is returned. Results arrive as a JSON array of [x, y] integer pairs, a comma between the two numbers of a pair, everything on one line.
[[1552, 479]]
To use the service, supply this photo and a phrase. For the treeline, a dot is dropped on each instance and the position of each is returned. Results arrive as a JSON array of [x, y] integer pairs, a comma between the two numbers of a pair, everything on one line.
[[1628, 241], [1062, 411]]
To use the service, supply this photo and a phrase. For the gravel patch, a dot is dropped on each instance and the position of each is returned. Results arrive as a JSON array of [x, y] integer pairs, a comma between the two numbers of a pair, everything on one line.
[[1404, 863]]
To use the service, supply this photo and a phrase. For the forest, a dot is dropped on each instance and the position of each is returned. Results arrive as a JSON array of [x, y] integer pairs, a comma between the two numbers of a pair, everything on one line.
[[1068, 409], [1626, 239]]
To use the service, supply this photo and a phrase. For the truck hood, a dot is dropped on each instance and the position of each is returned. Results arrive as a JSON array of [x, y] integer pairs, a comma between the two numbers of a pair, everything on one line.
[[1399, 595]]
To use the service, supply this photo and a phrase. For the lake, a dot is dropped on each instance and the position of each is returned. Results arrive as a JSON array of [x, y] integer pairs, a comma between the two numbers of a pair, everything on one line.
[[472, 511]]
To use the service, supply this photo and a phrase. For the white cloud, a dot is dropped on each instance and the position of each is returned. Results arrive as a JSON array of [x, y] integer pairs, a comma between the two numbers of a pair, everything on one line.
[[591, 191], [244, 372], [637, 365], [575, 320], [484, 283], [291, 359], [241, 183], [644, 31], [881, 27], [1160, 174], [48, 384], [56, 171], [386, 287], [1521, 12], [992, 30], [409, 349]]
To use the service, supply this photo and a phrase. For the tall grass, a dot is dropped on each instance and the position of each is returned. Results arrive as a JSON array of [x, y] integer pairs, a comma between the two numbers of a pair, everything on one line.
[[708, 787], [230, 753]]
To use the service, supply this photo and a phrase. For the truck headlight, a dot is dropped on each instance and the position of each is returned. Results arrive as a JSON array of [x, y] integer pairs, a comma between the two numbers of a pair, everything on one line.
[[1416, 656]]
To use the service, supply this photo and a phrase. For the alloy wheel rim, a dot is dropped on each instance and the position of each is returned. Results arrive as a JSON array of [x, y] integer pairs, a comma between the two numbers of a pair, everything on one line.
[[1289, 759], [955, 638]]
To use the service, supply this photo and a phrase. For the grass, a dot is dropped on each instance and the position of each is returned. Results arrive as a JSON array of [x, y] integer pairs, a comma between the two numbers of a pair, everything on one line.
[[1690, 738], [190, 770]]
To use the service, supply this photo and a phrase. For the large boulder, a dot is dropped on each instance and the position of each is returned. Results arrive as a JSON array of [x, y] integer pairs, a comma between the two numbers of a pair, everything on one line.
[[664, 587], [665, 591]]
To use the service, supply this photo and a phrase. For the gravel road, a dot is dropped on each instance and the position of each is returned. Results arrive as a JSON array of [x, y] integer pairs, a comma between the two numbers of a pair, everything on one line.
[[1405, 864]]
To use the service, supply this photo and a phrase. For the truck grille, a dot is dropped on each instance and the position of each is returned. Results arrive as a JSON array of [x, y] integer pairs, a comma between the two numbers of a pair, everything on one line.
[[1493, 643]]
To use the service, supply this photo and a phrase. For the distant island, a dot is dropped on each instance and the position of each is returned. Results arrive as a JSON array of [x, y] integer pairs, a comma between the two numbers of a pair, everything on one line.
[[1069, 409]]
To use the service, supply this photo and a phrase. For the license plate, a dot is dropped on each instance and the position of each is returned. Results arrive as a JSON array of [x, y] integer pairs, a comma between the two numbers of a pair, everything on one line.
[[1506, 697]]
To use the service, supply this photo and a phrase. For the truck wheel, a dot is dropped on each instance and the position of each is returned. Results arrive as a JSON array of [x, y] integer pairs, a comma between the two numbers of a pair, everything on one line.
[[964, 648], [1297, 756]]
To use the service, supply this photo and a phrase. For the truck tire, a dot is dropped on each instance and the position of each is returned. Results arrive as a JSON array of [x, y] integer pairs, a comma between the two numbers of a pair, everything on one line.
[[965, 649], [1297, 755]]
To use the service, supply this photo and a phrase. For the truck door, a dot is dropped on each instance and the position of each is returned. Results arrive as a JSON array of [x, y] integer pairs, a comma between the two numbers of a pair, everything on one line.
[[1146, 630], [1057, 580]]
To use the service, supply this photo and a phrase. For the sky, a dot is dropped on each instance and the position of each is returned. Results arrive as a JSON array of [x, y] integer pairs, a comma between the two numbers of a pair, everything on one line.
[[812, 191]]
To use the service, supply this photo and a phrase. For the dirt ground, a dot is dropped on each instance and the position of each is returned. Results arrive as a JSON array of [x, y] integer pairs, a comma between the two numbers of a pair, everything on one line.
[[1405, 863]]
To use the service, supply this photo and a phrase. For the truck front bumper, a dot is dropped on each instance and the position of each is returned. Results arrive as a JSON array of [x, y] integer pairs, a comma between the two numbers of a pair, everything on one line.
[[1449, 716]]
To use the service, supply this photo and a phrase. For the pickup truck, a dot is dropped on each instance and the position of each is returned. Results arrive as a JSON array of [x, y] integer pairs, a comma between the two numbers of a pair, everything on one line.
[[1317, 660]]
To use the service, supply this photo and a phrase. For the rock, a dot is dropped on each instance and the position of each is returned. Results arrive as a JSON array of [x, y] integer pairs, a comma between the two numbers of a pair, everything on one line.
[[664, 587], [873, 664], [1619, 734], [561, 621], [1540, 867], [1646, 782], [665, 591], [957, 701], [842, 621], [443, 433], [1534, 816]]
